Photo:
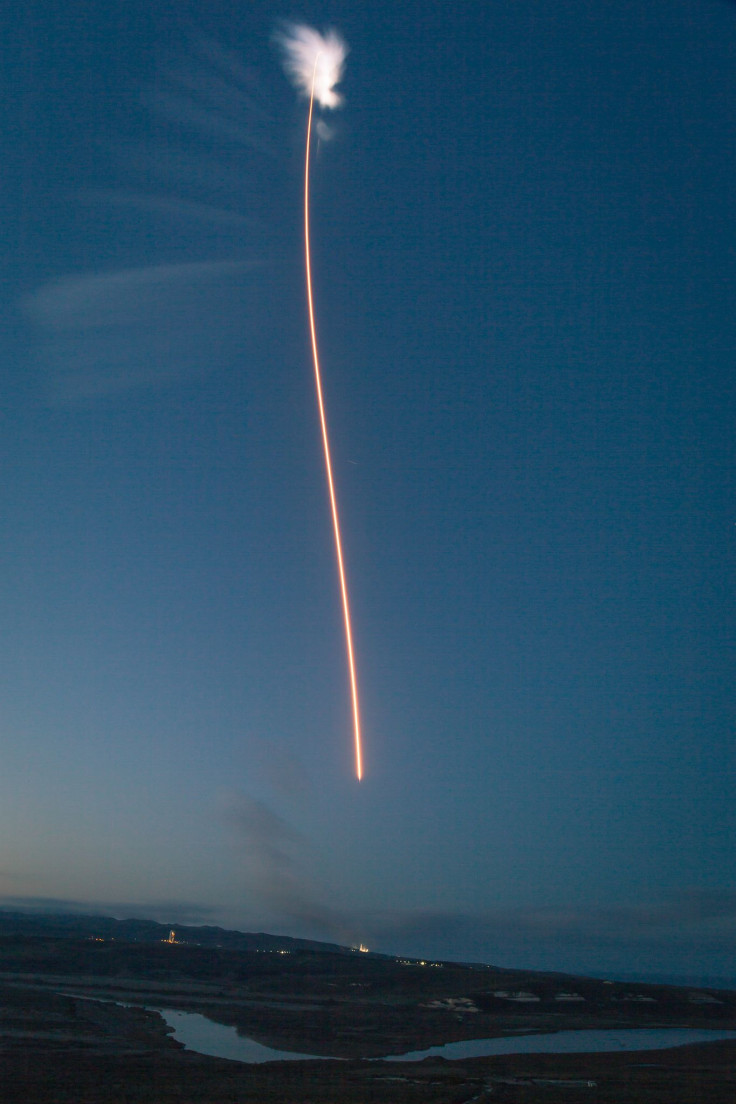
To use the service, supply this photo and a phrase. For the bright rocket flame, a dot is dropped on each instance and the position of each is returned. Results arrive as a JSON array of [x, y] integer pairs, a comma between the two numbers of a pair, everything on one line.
[[325, 439], [313, 61]]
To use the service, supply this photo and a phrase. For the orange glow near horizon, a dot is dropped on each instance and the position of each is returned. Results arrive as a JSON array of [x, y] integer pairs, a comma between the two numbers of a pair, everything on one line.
[[328, 462]]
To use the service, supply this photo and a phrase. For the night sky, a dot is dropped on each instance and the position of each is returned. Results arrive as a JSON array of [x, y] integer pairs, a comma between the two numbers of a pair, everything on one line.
[[524, 228]]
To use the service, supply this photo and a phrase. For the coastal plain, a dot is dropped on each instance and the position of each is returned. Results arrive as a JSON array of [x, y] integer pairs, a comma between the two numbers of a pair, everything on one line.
[[79, 1022]]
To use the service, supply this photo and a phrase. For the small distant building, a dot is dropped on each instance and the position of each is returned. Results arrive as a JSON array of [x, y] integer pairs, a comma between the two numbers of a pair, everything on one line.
[[454, 1004], [703, 998], [521, 996]]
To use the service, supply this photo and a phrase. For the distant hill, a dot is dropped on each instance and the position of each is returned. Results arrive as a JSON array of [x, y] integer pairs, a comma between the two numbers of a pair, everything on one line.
[[60, 925], [41, 924]]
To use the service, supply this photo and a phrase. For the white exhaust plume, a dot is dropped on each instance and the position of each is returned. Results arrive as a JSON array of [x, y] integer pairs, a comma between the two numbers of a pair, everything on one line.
[[310, 56]]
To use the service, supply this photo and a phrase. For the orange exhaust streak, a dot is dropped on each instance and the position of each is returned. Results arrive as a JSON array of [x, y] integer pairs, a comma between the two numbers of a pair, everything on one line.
[[328, 463]]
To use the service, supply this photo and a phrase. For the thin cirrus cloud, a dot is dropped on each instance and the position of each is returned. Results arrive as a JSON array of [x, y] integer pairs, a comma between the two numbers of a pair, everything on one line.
[[103, 333], [171, 207], [213, 94], [211, 143], [201, 172]]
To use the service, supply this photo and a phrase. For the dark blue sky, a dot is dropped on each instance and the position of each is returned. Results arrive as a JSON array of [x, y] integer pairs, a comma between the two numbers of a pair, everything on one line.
[[523, 232]]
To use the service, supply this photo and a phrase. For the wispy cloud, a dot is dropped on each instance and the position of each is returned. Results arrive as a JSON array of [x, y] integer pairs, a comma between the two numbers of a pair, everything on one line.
[[108, 298], [204, 170], [212, 92], [170, 206], [107, 332], [274, 857], [222, 140]]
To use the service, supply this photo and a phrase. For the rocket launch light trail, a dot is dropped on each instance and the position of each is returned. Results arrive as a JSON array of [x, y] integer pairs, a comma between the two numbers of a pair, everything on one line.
[[314, 63], [326, 443]]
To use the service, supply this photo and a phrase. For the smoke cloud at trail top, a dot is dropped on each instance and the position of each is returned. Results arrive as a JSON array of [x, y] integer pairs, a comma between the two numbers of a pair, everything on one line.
[[304, 48]]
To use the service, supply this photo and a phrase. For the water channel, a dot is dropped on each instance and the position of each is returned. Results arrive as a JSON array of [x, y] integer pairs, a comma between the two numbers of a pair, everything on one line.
[[205, 1036]]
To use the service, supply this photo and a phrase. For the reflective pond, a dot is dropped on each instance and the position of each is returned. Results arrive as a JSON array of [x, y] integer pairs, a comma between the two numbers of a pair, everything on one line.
[[571, 1042], [205, 1036]]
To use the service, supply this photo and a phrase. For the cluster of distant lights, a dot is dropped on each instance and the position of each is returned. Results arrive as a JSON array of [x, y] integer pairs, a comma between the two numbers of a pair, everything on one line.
[[361, 949], [418, 962]]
